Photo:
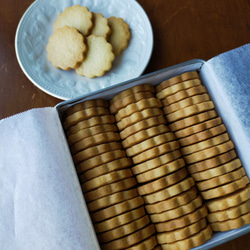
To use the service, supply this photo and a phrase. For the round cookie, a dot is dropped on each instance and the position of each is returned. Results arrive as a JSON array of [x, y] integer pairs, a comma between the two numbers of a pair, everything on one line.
[[100, 27], [99, 57], [75, 16], [66, 48]]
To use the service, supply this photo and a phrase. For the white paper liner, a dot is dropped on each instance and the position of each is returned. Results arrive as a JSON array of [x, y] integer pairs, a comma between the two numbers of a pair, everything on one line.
[[41, 203]]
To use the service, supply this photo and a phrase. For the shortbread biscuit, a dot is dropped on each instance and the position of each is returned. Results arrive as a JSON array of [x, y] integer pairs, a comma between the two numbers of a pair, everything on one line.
[[138, 116], [231, 224], [95, 140], [225, 189], [120, 34], [182, 233], [163, 182], [171, 203], [165, 148], [112, 199], [189, 131], [147, 244], [212, 162], [182, 94], [177, 212], [150, 143], [99, 57], [190, 110], [157, 161], [201, 136], [117, 164], [141, 125], [109, 189], [75, 16], [192, 120], [106, 179], [100, 25], [217, 171], [221, 179], [177, 87], [125, 101], [119, 220], [96, 120], [205, 144], [183, 221], [117, 209], [169, 192], [84, 115], [66, 48], [230, 200], [87, 132], [162, 171], [185, 103], [176, 79], [124, 230], [138, 106], [131, 239], [230, 213], [144, 134], [99, 160], [96, 150], [132, 91], [209, 152], [191, 242], [86, 105]]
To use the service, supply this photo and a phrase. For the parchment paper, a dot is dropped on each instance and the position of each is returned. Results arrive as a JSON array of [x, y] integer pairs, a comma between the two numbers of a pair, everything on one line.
[[41, 204]]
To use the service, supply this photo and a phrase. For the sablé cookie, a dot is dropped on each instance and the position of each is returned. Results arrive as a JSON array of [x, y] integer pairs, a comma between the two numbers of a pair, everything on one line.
[[99, 57], [120, 34], [100, 25], [75, 16], [66, 48]]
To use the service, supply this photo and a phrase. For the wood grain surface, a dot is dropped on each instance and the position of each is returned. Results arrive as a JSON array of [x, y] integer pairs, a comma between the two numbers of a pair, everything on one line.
[[183, 30]]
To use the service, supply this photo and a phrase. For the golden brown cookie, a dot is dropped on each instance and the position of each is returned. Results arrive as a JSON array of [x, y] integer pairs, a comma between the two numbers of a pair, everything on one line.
[[182, 233], [176, 79], [215, 161], [229, 200], [117, 209], [124, 230], [131, 239], [132, 91], [190, 242], [183, 221], [99, 57], [231, 224], [119, 220], [66, 48], [109, 189], [75, 16], [120, 34], [171, 203], [185, 103], [141, 125], [225, 189]]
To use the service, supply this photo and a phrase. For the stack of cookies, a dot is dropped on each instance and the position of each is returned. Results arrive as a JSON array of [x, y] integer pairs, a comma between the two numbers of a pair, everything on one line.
[[207, 149], [86, 41], [108, 184], [170, 195]]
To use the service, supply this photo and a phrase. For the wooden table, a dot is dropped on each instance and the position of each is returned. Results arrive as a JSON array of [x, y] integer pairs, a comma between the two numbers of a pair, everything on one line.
[[183, 30]]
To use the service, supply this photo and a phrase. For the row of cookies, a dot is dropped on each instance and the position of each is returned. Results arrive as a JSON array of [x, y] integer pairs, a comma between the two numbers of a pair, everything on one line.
[[86, 41], [171, 198], [207, 149], [109, 187]]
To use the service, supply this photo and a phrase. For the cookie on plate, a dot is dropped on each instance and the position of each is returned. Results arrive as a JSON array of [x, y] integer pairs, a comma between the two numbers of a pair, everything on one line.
[[66, 48], [99, 57]]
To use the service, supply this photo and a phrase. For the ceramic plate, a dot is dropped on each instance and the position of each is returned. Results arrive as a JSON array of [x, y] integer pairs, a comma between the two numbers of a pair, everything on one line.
[[36, 26]]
